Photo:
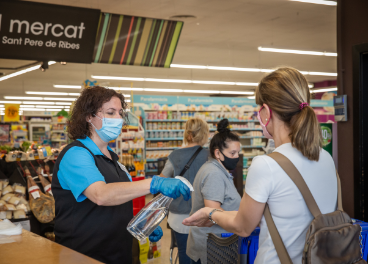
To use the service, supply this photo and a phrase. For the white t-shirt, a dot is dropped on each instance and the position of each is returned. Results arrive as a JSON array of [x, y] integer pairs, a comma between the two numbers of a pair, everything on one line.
[[267, 182]]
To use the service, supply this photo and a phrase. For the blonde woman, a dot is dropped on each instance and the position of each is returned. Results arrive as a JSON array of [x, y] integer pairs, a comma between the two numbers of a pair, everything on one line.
[[195, 136], [285, 116]]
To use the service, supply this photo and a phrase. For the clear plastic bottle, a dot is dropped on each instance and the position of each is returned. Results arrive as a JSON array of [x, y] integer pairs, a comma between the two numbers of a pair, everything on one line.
[[148, 219]]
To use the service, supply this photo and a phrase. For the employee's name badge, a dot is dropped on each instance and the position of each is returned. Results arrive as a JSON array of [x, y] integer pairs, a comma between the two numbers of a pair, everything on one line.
[[122, 167]]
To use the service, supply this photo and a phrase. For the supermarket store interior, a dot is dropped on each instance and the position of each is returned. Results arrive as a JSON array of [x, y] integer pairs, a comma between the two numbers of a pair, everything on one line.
[[178, 67]]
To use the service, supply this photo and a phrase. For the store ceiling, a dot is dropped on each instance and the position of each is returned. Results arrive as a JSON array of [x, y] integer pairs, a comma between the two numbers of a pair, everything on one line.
[[224, 33]]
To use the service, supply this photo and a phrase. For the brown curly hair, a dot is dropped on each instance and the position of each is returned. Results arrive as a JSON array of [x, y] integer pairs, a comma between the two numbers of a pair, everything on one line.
[[89, 103]]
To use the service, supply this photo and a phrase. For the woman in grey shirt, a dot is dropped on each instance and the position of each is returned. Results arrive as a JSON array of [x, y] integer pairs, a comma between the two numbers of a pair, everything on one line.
[[195, 136], [214, 187]]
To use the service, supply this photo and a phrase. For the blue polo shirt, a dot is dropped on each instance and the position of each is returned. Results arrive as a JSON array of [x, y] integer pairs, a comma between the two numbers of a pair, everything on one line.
[[78, 169]]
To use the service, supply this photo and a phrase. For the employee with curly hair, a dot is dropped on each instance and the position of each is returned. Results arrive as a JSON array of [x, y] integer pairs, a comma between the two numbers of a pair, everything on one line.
[[93, 191]]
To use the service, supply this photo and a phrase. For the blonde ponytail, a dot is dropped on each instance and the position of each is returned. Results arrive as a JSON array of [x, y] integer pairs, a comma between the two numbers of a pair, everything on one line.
[[284, 91]]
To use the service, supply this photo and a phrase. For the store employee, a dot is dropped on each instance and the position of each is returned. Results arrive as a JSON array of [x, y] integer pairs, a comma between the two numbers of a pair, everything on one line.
[[93, 191]]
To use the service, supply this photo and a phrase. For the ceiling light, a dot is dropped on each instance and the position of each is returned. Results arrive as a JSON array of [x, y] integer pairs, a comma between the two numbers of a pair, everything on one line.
[[10, 102], [47, 93], [68, 86], [251, 97], [127, 101], [57, 103], [23, 71], [244, 69], [201, 91], [44, 103], [53, 93], [235, 92], [169, 81], [23, 98], [54, 109], [27, 106], [33, 109], [310, 85], [59, 99], [126, 89], [304, 52], [320, 2], [47, 106], [126, 95], [324, 90], [163, 90]]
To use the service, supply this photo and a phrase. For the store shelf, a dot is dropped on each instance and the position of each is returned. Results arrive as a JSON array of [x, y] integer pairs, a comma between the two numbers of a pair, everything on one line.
[[166, 120], [234, 121], [158, 139], [242, 129], [252, 146], [173, 130], [60, 140], [162, 148], [58, 122], [151, 160], [246, 167], [58, 131], [151, 171]]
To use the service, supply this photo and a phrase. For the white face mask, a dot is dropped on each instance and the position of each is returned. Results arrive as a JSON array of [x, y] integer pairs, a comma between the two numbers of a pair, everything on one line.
[[111, 128], [264, 126]]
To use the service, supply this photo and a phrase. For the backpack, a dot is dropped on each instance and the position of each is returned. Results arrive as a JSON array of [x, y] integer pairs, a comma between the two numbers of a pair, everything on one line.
[[331, 238]]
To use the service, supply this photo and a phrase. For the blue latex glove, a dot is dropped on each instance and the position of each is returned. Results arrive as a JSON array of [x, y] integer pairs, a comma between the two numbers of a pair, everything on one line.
[[156, 235], [172, 188]]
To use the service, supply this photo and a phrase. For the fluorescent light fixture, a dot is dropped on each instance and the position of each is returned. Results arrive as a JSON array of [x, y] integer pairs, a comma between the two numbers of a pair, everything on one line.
[[59, 99], [310, 85], [235, 92], [68, 86], [33, 109], [126, 95], [23, 98], [304, 52], [126, 89], [57, 103], [36, 103], [36, 67], [251, 97], [10, 102], [26, 106], [201, 91], [324, 90], [163, 90], [319, 2], [168, 81], [244, 69], [54, 109], [127, 101], [53, 93], [47, 106]]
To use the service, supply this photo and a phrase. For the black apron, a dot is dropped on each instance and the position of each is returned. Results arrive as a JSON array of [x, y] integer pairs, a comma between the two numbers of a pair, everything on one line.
[[96, 231]]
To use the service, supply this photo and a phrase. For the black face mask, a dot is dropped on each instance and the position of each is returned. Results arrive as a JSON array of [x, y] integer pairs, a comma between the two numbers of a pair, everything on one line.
[[229, 163]]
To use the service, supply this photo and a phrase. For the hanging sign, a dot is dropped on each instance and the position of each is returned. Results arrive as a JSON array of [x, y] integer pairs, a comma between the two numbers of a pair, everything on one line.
[[11, 113], [326, 130], [45, 32]]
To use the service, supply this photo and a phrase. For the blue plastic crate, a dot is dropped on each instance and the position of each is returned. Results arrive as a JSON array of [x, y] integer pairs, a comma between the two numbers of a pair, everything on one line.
[[248, 246]]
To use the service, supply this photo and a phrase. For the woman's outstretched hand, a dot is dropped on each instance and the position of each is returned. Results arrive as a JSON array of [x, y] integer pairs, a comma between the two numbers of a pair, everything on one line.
[[199, 218]]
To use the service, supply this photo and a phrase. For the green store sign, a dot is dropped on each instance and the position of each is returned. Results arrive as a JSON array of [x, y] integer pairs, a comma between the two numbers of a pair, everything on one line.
[[326, 130]]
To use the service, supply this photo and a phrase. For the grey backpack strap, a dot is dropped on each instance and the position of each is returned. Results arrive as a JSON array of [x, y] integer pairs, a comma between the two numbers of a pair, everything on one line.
[[339, 194]]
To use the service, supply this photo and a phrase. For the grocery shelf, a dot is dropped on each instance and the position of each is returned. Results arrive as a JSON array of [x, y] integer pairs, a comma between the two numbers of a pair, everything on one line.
[[165, 120], [242, 129], [234, 121], [60, 140], [151, 160], [58, 131], [252, 146], [162, 148], [151, 171], [158, 139], [166, 130]]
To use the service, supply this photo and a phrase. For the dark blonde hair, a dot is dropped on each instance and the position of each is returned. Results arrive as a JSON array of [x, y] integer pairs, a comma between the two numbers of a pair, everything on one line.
[[284, 90], [196, 131]]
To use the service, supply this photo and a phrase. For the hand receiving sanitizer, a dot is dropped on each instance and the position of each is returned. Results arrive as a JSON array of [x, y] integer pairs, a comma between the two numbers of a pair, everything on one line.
[[146, 221]]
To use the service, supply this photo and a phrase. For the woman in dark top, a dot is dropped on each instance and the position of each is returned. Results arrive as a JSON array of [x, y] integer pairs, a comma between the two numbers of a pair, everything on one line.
[[195, 136]]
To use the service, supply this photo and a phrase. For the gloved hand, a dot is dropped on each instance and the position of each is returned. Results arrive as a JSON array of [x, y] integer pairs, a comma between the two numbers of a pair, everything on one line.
[[169, 187], [156, 235]]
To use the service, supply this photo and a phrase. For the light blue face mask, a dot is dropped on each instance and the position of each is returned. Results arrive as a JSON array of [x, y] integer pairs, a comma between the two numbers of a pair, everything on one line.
[[111, 128]]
